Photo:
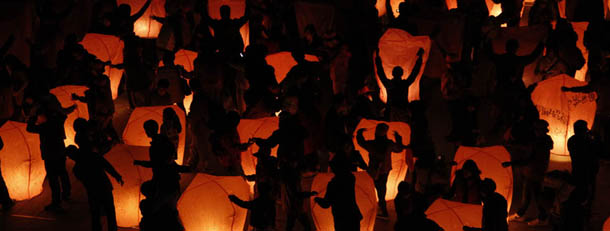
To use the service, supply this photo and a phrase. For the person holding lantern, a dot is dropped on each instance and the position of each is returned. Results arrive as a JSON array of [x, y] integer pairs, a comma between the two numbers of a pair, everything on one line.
[[226, 32], [584, 150]]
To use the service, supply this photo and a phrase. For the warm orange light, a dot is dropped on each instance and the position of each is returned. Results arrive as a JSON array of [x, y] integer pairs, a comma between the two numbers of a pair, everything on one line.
[[381, 9], [607, 225], [580, 28], [145, 26], [489, 160], [127, 197], [282, 62], [22, 166], [366, 198], [453, 216], [135, 135], [493, 8], [186, 59], [107, 48], [399, 162], [251, 128], [399, 48], [205, 205], [64, 95], [238, 9], [562, 109]]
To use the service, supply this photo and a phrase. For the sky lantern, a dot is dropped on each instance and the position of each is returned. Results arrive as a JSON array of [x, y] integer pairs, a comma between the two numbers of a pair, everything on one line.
[[127, 197], [107, 48], [135, 135], [64, 95], [453, 216], [489, 160], [580, 28], [238, 9], [22, 166], [562, 109], [186, 59], [607, 225], [399, 48], [145, 26], [205, 204], [399, 161], [366, 198], [282, 62], [251, 128]]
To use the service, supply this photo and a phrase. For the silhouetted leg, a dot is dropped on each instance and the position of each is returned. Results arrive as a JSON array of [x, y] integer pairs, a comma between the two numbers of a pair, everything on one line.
[[65, 179], [108, 204], [5, 198], [53, 178], [527, 197], [96, 213], [380, 185]]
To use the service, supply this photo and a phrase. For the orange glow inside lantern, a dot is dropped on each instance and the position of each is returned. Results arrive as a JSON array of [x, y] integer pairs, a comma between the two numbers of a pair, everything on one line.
[[22, 166], [127, 197], [251, 128], [580, 28], [366, 198], [282, 62], [107, 48], [494, 9], [399, 161], [186, 59], [562, 109], [489, 160], [238, 9], [205, 205], [381, 9], [399, 48], [135, 135], [453, 216], [607, 225], [145, 26], [64, 95]]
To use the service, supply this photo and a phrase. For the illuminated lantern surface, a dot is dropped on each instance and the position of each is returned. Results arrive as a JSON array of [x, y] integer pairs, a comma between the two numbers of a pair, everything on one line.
[[489, 160], [127, 197], [562, 109], [205, 206], [64, 95], [22, 166], [399, 48], [580, 28], [186, 59], [251, 128], [238, 9], [145, 26], [494, 9], [381, 9], [107, 48], [399, 165], [607, 225], [366, 198], [453, 216], [135, 135], [282, 62]]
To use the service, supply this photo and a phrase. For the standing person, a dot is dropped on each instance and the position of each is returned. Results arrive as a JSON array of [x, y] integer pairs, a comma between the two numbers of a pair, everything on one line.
[[341, 196], [466, 186], [171, 126], [175, 74], [534, 171], [262, 208], [226, 32], [494, 209], [585, 161], [5, 198], [47, 120], [380, 160]]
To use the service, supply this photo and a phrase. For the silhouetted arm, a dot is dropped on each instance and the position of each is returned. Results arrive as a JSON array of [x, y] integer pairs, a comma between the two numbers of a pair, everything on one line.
[[241, 203], [136, 16], [360, 139], [143, 163], [380, 72], [111, 170], [389, 11], [582, 89], [415, 72]]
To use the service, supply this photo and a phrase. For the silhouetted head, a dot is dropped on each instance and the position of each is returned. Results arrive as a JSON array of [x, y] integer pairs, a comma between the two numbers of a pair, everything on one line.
[[580, 127], [168, 58], [488, 187], [148, 188], [225, 12], [124, 10], [80, 125], [151, 128], [162, 86], [298, 55], [397, 72], [381, 130], [470, 168], [512, 45], [339, 165], [541, 127], [404, 187], [233, 119], [169, 114]]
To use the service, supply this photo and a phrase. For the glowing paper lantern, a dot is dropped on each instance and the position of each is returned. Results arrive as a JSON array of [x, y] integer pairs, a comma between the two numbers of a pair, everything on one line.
[[238, 9], [127, 197], [64, 95], [107, 48], [489, 160], [399, 161], [580, 28], [381, 9], [607, 225], [22, 166], [453, 216], [205, 205], [366, 198], [562, 109], [145, 26], [186, 59], [259, 128], [399, 48], [494, 9], [135, 135], [282, 62]]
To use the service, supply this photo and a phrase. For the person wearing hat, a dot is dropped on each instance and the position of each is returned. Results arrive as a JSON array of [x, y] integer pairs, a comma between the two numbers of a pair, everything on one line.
[[467, 184], [534, 170]]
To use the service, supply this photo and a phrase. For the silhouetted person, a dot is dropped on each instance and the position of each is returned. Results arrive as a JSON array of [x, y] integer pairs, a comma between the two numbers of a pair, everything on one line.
[[416, 221], [380, 160], [123, 21], [466, 187], [175, 74], [160, 96], [511, 12], [341, 196], [262, 208], [534, 171], [171, 126], [509, 66], [90, 168], [226, 32], [158, 211], [408, 201], [494, 209], [227, 145], [584, 151], [5, 199], [48, 122]]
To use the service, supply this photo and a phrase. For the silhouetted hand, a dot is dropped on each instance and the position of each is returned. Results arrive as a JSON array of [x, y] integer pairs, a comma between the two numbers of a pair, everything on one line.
[[74, 96], [233, 197], [506, 164], [564, 89], [420, 52], [314, 193], [317, 200], [120, 180]]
